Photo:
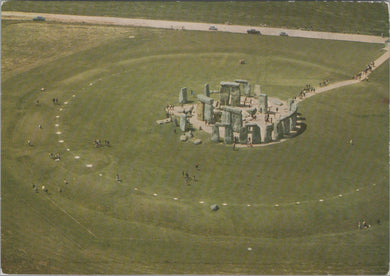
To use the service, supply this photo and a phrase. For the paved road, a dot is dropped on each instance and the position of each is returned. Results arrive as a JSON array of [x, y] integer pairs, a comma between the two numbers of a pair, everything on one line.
[[165, 24]]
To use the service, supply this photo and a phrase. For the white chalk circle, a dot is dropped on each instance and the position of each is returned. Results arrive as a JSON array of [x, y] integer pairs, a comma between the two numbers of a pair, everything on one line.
[[89, 165], [249, 248], [56, 125], [175, 198], [65, 102], [73, 96], [224, 204], [58, 116], [201, 202], [60, 109], [276, 205], [357, 190], [155, 194], [60, 141], [67, 149], [297, 203], [248, 205], [77, 157], [58, 132], [321, 200], [135, 189]]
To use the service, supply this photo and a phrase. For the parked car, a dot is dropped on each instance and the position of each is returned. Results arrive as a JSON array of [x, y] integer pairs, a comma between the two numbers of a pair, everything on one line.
[[213, 28], [39, 18], [283, 34], [253, 31]]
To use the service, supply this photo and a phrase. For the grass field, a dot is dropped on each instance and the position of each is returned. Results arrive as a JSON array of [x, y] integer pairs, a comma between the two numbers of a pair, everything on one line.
[[364, 18], [121, 79]]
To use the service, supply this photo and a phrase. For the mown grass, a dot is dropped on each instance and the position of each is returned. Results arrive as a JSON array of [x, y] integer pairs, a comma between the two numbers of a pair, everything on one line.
[[97, 225], [364, 18]]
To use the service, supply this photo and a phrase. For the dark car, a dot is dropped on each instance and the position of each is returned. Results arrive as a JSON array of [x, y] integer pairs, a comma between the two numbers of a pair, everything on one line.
[[283, 34], [253, 31], [39, 18]]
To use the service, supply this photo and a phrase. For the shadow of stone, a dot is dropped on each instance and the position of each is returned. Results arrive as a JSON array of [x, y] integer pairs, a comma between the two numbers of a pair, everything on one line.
[[301, 127]]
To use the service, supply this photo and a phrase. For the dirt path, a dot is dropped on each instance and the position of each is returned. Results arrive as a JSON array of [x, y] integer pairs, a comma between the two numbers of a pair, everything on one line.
[[165, 24], [378, 62]]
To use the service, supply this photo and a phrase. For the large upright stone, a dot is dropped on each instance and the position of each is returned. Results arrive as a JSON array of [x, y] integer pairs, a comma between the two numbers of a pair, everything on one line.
[[256, 135], [226, 118], [246, 88], [286, 126], [209, 113], [183, 122], [235, 96], [200, 111], [293, 119], [183, 96], [268, 133], [236, 117], [243, 135], [278, 130], [207, 90], [229, 138], [263, 103], [236, 121], [214, 134]]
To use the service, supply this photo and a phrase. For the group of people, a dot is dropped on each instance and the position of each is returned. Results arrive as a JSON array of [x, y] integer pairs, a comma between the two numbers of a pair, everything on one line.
[[98, 143], [169, 109], [324, 83], [364, 74], [188, 178], [55, 100], [54, 156]]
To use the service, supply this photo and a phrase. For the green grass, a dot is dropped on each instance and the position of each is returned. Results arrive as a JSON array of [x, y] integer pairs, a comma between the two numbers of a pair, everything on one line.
[[364, 18], [98, 226]]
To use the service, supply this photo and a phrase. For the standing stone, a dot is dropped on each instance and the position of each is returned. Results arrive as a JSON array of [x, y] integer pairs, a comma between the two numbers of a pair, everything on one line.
[[243, 135], [263, 103], [207, 90], [224, 95], [286, 126], [209, 113], [200, 111], [183, 122], [256, 135], [183, 96], [229, 138], [294, 121], [235, 96], [278, 130], [268, 133], [226, 118], [236, 121], [214, 134]]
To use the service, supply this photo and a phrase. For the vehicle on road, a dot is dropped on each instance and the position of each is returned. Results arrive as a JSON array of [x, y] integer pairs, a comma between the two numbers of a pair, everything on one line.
[[39, 18], [283, 34], [253, 31], [213, 28]]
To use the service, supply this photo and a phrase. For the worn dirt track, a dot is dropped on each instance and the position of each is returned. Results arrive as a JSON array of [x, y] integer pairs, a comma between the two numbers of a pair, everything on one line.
[[165, 24]]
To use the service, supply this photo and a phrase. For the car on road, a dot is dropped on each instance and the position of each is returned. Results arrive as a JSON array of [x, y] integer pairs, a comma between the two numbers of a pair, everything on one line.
[[39, 18], [253, 31], [283, 34], [213, 28]]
